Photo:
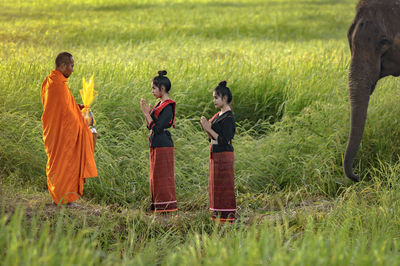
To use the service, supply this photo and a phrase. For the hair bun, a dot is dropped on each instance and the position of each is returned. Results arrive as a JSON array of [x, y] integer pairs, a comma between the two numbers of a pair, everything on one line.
[[222, 83], [162, 73]]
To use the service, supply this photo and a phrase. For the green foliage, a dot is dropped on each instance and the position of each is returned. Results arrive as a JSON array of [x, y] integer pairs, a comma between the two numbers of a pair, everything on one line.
[[286, 63], [360, 227]]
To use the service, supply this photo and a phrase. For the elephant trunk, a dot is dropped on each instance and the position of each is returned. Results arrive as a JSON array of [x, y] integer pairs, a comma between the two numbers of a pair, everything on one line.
[[360, 86]]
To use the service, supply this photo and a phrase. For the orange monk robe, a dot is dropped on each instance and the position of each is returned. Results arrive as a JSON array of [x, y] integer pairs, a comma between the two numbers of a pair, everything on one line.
[[67, 140]]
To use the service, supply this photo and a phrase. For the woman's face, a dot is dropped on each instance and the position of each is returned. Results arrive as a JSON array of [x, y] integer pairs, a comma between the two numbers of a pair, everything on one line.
[[219, 102], [157, 93]]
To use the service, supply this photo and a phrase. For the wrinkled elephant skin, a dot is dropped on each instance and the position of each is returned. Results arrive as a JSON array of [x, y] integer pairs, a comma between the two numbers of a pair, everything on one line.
[[374, 39]]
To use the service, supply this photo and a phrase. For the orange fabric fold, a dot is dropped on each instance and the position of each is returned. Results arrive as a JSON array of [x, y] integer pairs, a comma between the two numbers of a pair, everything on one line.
[[67, 139]]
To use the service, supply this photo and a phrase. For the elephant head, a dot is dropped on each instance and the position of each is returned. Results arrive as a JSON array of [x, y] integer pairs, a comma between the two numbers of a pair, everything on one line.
[[374, 55]]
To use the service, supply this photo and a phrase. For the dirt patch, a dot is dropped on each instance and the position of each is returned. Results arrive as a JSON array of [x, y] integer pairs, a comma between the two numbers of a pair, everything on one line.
[[32, 202], [40, 202]]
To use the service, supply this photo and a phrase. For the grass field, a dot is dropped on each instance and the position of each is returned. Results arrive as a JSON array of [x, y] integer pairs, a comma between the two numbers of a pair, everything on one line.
[[286, 63]]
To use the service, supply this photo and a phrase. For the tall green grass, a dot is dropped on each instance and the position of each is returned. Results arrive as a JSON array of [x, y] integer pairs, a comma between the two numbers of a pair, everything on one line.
[[359, 228], [286, 63]]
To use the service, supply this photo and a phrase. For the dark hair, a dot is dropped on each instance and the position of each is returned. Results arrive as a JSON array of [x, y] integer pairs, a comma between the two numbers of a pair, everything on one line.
[[161, 80], [63, 58], [222, 90]]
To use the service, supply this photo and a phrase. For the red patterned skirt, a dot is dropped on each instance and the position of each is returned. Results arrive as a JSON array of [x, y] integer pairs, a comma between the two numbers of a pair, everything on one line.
[[162, 179], [222, 186]]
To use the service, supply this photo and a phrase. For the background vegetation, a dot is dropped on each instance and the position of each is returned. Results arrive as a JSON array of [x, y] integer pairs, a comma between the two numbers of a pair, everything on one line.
[[286, 63]]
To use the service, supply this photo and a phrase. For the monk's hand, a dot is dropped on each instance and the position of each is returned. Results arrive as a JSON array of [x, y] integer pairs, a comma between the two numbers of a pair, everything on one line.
[[145, 108], [81, 106]]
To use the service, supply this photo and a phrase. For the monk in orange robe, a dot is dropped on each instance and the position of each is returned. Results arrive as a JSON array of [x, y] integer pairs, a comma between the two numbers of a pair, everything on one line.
[[68, 141]]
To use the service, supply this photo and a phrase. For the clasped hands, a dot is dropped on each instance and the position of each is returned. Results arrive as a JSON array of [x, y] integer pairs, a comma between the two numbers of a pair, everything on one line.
[[205, 124], [146, 109]]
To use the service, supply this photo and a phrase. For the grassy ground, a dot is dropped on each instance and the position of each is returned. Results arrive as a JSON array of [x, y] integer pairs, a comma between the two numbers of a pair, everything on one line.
[[286, 63]]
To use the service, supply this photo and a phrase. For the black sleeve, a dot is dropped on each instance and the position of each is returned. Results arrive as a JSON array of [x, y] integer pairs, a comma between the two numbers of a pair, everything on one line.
[[163, 120], [227, 131]]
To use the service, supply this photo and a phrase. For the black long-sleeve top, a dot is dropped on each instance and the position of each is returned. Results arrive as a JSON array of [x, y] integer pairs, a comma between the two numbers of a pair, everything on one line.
[[160, 136], [225, 127]]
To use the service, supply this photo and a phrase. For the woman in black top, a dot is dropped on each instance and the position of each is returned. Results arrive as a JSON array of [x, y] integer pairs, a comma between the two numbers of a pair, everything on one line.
[[221, 130], [159, 119]]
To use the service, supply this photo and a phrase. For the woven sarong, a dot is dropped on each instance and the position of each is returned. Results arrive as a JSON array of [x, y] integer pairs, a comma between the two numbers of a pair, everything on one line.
[[162, 180], [222, 186]]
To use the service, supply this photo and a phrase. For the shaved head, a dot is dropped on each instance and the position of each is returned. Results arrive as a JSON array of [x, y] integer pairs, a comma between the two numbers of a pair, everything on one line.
[[65, 63], [63, 58]]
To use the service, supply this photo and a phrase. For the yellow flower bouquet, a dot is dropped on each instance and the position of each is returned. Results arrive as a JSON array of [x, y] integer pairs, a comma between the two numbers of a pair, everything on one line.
[[88, 95]]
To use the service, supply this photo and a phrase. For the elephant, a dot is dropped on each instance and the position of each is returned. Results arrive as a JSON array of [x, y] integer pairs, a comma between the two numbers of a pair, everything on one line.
[[374, 39]]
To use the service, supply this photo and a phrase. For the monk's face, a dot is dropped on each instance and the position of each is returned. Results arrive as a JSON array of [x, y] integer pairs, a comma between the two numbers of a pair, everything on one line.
[[67, 69], [157, 92]]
